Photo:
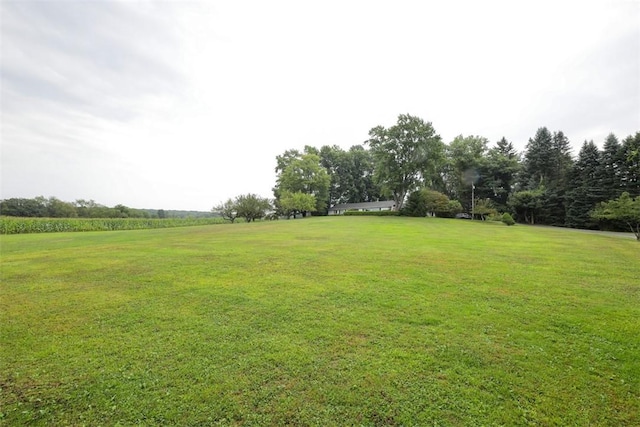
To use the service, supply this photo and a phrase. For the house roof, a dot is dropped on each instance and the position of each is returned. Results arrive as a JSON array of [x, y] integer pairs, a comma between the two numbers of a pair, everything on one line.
[[364, 205]]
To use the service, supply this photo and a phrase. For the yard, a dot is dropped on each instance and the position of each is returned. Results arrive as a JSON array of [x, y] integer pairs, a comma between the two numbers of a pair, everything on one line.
[[322, 321]]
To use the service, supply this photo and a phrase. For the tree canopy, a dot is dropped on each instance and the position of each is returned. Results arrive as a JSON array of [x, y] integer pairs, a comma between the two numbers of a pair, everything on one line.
[[251, 207], [407, 155], [303, 173], [298, 202]]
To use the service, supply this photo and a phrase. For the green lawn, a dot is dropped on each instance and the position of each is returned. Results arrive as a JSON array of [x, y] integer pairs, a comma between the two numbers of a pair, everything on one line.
[[322, 321]]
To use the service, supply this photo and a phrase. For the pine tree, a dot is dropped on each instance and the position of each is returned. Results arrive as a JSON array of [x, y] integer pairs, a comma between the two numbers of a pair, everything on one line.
[[547, 163], [586, 186], [611, 168], [630, 166], [537, 160], [561, 159], [554, 203], [500, 171]]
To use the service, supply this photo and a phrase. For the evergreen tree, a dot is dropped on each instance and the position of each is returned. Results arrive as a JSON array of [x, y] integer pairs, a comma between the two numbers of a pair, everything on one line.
[[611, 167], [500, 171], [415, 205], [586, 187], [553, 203], [538, 164], [547, 163], [630, 164]]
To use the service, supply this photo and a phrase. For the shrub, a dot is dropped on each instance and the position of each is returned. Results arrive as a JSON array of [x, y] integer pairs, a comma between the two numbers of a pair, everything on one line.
[[507, 219], [495, 216]]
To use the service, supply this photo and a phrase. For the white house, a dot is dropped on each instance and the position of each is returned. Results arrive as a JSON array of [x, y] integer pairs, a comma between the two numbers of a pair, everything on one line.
[[386, 205]]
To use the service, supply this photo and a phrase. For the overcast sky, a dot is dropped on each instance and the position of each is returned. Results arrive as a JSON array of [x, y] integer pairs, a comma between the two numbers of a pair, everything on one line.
[[180, 105]]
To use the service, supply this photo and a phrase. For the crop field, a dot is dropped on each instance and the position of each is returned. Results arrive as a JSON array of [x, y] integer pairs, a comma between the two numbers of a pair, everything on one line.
[[14, 225], [322, 321]]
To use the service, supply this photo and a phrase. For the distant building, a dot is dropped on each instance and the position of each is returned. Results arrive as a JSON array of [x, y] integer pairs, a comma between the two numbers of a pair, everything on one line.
[[387, 205]]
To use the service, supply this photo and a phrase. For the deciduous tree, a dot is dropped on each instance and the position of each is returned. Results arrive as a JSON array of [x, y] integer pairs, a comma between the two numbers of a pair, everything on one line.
[[484, 207], [465, 167], [304, 174], [407, 155], [298, 202], [430, 202], [351, 174], [226, 210], [56, 208], [527, 204], [24, 207], [624, 208], [251, 207]]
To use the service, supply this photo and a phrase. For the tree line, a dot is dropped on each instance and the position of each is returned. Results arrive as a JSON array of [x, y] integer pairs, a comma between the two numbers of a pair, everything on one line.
[[410, 164], [52, 207]]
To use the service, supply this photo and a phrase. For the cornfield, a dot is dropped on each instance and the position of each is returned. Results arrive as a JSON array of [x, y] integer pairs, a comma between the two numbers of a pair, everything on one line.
[[14, 225]]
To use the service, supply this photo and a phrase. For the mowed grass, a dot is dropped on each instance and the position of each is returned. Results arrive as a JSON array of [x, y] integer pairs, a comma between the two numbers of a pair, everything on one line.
[[322, 321]]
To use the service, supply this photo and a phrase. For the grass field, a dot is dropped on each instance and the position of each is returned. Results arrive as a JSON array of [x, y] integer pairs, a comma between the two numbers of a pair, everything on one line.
[[322, 321]]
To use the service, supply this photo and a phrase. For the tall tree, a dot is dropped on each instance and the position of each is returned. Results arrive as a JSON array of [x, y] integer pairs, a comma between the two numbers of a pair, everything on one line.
[[305, 174], [562, 160], [554, 205], [407, 154], [585, 187], [465, 167], [351, 174], [611, 167], [285, 159], [547, 163], [537, 162], [362, 188], [502, 167], [334, 160], [630, 166]]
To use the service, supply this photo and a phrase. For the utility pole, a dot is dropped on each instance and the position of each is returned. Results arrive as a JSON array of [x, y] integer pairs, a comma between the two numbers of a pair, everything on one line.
[[473, 200]]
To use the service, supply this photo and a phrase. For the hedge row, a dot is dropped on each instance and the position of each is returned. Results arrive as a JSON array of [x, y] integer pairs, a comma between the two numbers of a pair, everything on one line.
[[14, 225], [372, 213]]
